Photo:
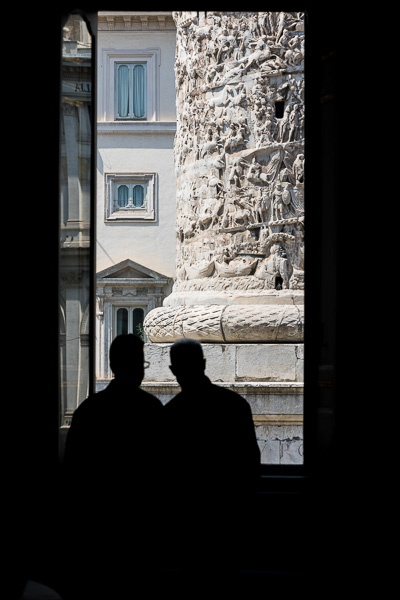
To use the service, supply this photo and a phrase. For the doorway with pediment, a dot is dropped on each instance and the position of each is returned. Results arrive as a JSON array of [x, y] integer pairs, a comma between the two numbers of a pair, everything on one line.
[[125, 293]]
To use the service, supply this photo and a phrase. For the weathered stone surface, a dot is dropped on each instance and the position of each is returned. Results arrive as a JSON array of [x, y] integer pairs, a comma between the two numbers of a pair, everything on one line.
[[158, 357], [239, 163], [240, 364], [234, 363], [262, 323], [253, 297], [266, 362], [235, 323], [280, 445]]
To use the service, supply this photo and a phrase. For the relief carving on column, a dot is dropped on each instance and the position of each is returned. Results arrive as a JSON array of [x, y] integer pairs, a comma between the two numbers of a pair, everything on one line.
[[239, 152]]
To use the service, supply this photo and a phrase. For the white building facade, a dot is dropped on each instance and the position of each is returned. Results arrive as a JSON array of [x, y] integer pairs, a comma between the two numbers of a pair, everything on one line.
[[136, 192]]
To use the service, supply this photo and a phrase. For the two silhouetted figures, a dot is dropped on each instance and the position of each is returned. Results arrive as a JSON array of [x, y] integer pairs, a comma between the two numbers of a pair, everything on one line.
[[148, 481]]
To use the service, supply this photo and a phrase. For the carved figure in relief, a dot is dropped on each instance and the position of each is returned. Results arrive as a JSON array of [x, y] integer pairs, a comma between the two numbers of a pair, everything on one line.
[[298, 168], [244, 212], [259, 55], [295, 52], [236, 213], [219, 99], [236, 137], [294, 123], [254, 172], [262, 203], [284, 123], [265, 126], [209, 210], [276, 265], [228, 215], [236, 170], [238, 267], [246, 37], [282, 23], [281, 198], [237, 98], [200, 269], [208, 147], [226, 46], [235, 71]]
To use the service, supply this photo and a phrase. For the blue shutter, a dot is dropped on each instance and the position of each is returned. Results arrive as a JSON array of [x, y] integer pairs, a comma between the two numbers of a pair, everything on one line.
[[139, 84], [138, 196], [123, 91], [122, 195]]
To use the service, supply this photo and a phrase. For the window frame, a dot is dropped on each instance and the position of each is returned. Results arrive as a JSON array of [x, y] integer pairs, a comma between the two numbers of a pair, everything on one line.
[[130, 308], [131, 115], [109, 58], [315, 305], [130, 205], [130, 213]]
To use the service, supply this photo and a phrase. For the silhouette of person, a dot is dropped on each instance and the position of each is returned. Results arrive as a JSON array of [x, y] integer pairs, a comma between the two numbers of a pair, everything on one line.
[[212, 462], [110, 463]]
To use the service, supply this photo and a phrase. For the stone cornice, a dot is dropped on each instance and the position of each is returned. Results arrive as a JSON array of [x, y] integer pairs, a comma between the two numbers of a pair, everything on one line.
[[105, 127], [133, 281], [135, 21]]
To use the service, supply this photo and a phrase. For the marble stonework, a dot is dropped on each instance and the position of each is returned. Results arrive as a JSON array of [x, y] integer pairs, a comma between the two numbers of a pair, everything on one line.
[[239, 162]]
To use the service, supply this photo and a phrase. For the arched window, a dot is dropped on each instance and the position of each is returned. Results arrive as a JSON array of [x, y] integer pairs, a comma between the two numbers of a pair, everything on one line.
[[122, 321], [137, 320], [123, 196], [129, 319], [138, 196], [123, 91]]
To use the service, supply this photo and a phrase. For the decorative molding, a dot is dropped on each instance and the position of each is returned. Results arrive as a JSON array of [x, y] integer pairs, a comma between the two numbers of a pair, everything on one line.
[[119, 272], [278, 420], [108, 58], [125, 284], [136, 127], [135, 21], [135, 215], [226, 323]]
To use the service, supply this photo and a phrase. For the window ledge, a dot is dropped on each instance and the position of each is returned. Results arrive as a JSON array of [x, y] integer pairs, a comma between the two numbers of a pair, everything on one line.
[[141, 127]]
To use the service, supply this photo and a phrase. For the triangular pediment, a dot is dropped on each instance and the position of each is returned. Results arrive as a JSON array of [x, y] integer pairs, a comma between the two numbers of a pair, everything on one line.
[[128, 269]]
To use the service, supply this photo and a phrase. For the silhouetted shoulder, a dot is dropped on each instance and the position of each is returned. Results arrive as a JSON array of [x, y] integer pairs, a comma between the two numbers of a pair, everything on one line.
[[152, 400], [229, 396], [108, 419], [90, 403], [209, 406], [137, 397]]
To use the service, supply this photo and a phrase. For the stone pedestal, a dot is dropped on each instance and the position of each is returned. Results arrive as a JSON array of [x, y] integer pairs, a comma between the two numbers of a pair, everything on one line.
[[269, 376], [239, 163]]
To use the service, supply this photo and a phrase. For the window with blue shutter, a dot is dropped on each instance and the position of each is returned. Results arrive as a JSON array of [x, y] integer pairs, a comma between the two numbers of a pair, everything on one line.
[[131, 91]]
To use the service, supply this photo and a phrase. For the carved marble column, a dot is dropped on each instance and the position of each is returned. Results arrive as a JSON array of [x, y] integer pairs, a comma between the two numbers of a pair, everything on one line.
[[239, 159]]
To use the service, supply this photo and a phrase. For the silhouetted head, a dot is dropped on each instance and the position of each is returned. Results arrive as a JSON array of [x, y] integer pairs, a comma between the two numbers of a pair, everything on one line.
[[127, 359], [187, 361]]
